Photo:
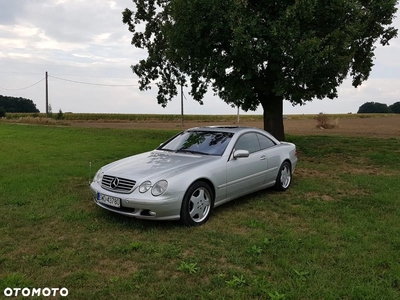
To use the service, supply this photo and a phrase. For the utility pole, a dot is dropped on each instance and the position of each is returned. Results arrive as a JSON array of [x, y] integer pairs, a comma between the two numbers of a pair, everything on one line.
[[47, 96], [182, 105]]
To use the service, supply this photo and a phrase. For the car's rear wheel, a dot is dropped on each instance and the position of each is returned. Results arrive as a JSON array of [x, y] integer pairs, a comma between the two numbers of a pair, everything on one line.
[[284, 178], [197, 204]]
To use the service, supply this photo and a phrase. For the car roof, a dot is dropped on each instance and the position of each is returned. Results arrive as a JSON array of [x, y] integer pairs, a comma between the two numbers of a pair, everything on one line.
[[232, 129], [225, 128]]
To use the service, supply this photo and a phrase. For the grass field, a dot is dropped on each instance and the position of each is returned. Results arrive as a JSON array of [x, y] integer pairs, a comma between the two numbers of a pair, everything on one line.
[[333, 235]]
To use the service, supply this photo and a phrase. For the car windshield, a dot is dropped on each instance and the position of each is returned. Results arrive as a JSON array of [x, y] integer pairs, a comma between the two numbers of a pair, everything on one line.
[[199, 142]]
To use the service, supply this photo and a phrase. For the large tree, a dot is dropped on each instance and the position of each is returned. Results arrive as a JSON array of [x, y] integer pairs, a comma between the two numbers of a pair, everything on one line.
[[258, 52], [374, 108], [395, 108], [13, 104]]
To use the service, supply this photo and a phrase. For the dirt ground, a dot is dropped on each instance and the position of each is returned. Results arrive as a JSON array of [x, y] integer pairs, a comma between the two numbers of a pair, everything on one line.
[[383, 126]]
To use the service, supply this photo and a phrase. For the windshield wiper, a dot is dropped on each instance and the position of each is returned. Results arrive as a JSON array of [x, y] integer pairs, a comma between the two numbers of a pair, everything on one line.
[[191, 151]]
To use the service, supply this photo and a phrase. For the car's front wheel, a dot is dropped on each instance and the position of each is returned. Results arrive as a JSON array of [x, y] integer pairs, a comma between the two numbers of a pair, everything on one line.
[[197, 204], [284, 177]]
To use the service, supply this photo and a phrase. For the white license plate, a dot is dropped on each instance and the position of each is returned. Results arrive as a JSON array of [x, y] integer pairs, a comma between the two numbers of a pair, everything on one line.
[[109, 200]]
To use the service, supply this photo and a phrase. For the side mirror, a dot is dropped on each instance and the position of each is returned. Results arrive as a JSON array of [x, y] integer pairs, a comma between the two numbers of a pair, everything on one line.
[[241, 153]]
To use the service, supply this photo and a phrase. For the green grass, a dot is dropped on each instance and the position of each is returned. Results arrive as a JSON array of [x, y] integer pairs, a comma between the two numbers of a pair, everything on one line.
[[333, 235]]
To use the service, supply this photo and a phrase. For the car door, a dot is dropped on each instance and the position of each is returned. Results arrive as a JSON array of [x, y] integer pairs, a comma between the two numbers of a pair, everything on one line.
[[245, 174], [271, 151]]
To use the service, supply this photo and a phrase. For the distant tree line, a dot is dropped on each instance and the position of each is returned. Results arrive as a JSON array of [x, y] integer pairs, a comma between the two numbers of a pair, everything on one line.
[[379, 108], [16, 105]]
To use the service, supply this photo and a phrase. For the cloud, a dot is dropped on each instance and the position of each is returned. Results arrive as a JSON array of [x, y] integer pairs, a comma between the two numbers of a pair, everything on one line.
[[86, 42], [9, 10]]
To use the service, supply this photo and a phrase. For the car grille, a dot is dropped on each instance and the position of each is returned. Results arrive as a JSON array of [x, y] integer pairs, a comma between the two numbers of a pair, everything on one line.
[[117, 184]]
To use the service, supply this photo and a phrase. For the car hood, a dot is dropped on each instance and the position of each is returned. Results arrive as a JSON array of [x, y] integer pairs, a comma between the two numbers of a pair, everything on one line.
[[156, 164]]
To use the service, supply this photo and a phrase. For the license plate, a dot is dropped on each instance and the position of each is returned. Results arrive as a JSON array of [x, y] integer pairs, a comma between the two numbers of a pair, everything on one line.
[[109, 200]]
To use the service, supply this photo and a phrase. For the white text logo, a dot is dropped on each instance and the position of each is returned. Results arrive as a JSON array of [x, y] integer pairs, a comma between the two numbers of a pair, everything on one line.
[[33, 292]]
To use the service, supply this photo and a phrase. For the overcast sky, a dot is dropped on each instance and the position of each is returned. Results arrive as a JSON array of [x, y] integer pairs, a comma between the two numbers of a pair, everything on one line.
[[86, 50]]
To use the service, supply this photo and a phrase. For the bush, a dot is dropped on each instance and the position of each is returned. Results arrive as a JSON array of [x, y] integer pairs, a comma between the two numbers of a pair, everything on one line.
[[60, 115], [324, 122]]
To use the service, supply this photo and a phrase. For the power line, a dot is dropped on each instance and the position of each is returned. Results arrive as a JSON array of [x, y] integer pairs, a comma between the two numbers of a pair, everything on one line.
[[90, 83], [73, 81], [24, 88]]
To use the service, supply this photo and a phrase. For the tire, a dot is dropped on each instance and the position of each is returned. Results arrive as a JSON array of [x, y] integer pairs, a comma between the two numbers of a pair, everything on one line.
[[197, 204], [284, 178]]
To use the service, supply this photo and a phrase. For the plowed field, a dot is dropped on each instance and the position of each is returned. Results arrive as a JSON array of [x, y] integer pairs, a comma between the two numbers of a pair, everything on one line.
[[382, 126]]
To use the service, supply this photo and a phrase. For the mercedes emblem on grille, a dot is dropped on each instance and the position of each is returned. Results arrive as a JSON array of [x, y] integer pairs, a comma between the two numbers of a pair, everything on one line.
[[114, 183]]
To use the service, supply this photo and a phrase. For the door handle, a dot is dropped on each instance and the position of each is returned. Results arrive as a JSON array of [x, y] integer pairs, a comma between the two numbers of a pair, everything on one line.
[[262, 157]]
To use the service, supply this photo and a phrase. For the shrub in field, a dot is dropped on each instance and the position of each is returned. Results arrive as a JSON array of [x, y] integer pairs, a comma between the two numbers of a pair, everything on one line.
[[49, 111], [60, 115], [324, 122]]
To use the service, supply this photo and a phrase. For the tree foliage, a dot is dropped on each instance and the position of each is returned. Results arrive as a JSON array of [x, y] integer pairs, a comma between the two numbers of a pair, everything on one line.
[[395, 107], [21, 105], [253, 52], [373, 107], [2, 112], [380, 108]]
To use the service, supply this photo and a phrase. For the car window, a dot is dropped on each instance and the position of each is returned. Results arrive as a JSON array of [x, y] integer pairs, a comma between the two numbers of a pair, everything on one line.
[[265, 142], [201, 142], [249, 142]]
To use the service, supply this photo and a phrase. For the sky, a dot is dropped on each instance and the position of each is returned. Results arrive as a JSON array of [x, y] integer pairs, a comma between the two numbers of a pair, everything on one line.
[[87, 52]]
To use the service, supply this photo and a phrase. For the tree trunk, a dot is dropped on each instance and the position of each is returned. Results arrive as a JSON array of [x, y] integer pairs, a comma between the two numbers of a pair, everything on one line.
[[273, 116]]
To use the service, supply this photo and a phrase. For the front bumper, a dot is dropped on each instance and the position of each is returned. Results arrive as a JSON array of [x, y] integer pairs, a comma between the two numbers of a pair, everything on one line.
[[141, 206]]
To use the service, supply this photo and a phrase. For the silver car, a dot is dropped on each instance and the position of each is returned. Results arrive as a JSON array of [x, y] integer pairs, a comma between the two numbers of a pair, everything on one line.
[[193, 172]]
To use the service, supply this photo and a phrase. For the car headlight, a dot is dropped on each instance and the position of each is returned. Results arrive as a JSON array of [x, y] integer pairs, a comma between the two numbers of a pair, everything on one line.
[[159, 188], [99, 176], [145, 186]]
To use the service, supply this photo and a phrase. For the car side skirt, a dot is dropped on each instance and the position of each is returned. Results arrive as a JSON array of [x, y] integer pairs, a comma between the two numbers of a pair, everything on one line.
[[261, 187]]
